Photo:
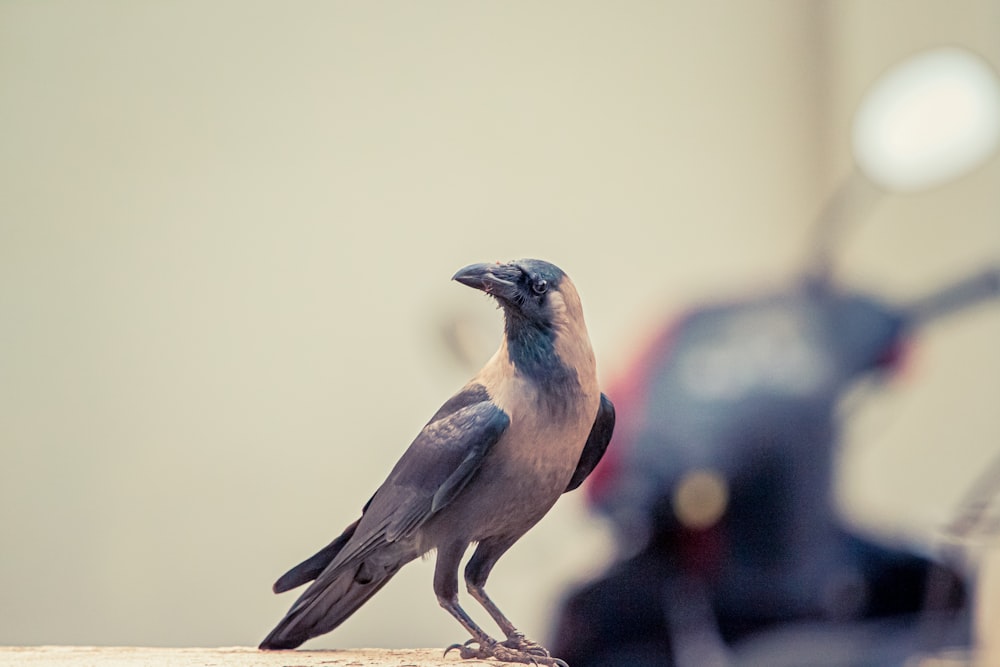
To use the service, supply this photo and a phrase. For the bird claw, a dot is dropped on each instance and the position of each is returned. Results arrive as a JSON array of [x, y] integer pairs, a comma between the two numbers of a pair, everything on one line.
[[463, 649], [519, 642], [515, 649], [466, 652]]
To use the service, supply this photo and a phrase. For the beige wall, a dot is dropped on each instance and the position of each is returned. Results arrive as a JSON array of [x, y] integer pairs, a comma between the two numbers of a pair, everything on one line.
[[919, 444], [226, 234]]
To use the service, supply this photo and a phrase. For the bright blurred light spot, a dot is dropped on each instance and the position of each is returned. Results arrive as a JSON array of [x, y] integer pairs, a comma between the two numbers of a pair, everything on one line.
[[700, 499], [928, 120]]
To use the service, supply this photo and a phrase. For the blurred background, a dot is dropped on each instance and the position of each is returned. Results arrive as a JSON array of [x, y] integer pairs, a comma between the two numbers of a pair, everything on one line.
[[226, 236]]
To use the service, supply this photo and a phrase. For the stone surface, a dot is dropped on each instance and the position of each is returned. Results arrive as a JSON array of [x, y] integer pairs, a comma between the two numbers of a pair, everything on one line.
[[115, 656], [242, 656]]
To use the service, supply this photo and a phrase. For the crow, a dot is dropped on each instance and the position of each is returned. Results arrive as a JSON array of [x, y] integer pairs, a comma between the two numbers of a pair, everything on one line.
[[530, 426]]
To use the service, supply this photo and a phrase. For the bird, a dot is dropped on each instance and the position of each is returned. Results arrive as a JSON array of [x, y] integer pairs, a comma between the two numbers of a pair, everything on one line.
[[531, 425]]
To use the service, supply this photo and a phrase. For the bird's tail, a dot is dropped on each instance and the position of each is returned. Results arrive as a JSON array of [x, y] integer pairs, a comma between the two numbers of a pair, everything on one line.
[[335, 595], [311, 567]]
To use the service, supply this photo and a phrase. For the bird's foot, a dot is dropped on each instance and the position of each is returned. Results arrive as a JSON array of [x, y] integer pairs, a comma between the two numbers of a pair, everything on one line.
[[515, 649], [519, 642]]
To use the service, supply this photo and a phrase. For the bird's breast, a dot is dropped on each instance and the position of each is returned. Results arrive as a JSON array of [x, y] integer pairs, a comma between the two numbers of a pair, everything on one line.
[[529, 467], [542, 445]]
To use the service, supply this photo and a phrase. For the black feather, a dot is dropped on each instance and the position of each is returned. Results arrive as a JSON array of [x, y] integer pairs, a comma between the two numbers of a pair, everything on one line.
[[432, 471], [327, 604], [471, 394], [310, 568], [597, 443]]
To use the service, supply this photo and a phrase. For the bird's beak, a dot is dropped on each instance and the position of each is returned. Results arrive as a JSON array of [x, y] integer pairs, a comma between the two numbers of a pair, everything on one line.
[[499, 280]]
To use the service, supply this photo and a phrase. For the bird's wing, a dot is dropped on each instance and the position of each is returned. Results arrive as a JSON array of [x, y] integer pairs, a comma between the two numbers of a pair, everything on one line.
[[597, 443], [432, 471]]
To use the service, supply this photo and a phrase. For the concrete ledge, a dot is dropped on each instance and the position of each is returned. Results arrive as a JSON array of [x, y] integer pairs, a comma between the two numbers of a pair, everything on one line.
[[117, 656], [241, 656]]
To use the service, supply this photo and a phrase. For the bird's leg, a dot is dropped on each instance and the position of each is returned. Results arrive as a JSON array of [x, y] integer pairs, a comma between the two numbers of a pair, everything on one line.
[[476, 573], [515, 638], [486, 648], [446, 590], [479, 636]]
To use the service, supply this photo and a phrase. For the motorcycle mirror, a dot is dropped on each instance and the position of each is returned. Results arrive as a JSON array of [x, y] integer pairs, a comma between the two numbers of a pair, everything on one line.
[[928, 120]]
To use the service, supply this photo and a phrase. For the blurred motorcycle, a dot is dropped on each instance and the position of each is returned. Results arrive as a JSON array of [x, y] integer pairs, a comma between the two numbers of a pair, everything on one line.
[[719, 478]]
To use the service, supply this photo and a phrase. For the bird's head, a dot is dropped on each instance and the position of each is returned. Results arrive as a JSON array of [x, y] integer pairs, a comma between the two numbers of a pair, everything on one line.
[[542, 310], [528, 290]]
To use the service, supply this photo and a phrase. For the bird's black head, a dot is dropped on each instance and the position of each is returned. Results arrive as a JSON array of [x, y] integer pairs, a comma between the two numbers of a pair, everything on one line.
[[524, 288], [545, 332]]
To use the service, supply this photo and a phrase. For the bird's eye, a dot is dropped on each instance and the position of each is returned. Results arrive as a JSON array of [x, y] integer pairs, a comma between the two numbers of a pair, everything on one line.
[[540, 286]]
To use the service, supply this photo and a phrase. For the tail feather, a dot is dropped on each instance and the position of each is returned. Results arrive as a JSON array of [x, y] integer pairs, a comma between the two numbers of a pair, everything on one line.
[[330, 601], [311, 568]]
